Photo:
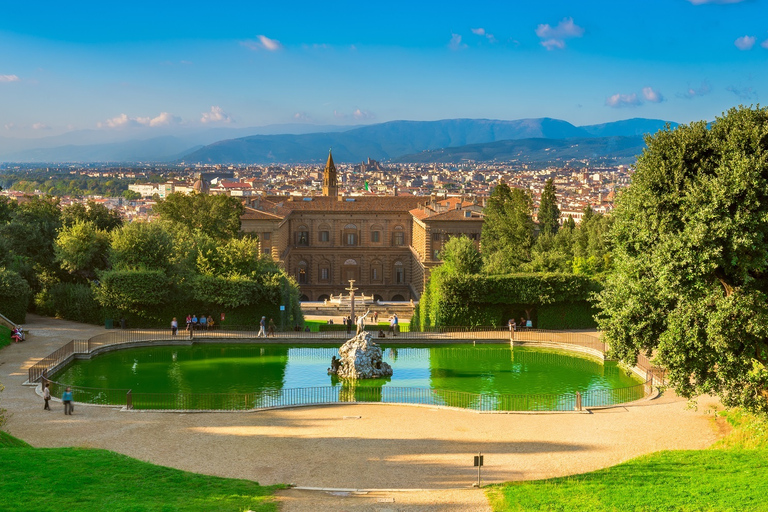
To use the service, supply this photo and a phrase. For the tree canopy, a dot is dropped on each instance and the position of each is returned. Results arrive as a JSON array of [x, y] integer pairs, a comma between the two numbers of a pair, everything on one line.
[[215, 215], [690, 250], [549, 212], [508, 230]]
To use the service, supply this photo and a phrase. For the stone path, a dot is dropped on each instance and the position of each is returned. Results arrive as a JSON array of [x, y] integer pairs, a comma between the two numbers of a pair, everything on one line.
[[350, 446]]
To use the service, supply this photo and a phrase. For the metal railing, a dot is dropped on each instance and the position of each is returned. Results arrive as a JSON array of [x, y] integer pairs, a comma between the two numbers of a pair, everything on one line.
[[654, 376]]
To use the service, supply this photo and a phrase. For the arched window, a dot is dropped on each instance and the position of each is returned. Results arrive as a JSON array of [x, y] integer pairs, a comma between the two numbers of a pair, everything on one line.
[[399, 272], [398, 236], [324, 271], [302, 236], [377, 271], [376, 231], [324, 233], [351, 270], [301, 273], [350, 235]]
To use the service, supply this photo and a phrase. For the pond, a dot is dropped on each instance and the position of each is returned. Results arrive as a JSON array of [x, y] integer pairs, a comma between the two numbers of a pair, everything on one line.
[[242, 376]]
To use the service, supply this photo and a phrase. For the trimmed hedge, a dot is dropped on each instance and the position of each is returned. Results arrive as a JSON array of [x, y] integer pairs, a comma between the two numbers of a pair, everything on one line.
[[70, 301], [551, 300], [15, 294]]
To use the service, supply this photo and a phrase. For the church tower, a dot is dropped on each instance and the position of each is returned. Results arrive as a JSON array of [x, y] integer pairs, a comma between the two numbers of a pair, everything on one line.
[[330, 183]]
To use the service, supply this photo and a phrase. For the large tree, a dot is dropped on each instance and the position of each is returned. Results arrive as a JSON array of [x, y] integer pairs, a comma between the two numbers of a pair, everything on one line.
[[549, 212], [215, 215], [690, 246], [508, 229]]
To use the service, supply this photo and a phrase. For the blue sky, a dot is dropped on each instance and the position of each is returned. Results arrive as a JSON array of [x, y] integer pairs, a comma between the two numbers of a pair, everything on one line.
[[159, 66]]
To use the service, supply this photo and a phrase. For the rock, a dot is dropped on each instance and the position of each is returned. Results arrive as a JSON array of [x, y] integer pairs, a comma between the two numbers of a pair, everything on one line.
[[361, 359]]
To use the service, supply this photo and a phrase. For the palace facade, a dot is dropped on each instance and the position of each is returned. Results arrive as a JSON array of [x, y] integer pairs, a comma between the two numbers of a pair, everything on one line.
[[387, 244]]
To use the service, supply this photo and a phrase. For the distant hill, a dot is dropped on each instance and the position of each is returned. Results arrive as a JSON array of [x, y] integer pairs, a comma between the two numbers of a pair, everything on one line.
[[620, 149], [293, 143], [627, 128], [381, 141]]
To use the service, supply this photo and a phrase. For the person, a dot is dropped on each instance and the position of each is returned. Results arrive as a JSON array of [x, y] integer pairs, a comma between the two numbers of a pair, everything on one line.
[[46, 397], [381, 334], [330, 321], [335, 363], [348, 323], [210, 323], [194, 322], [271, 331], [307, 329], [392, 324], [529, 324], [522, 322], [203, 323], [174, 326], [397, 323], [17, 335], [262, 328], [189, 321], [376, 317], [66, 397], [512, 326], [191, 330]]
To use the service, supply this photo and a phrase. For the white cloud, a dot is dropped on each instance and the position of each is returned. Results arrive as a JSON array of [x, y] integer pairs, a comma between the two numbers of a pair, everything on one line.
[[553, 44], [362, 114], [702, 2], [652, 95], [553, 38], [216, 115], [302, 116], [745, 42], [455, 43], [9, 78], [123, 120], [40, 126], [483, 33], [623, 100], [10, 126], [263, 43], [745, 93], [339, 115], [703, 90]]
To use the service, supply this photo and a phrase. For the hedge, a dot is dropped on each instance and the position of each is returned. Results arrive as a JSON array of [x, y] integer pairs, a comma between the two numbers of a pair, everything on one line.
[[70, 301], [551, 300], [14, 296]]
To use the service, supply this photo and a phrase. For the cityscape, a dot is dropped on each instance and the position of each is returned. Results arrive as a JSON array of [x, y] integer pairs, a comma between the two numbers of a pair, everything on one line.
[[384, 256]]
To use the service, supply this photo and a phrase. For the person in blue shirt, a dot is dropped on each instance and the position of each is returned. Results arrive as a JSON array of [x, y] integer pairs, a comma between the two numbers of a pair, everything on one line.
[[66, 397]]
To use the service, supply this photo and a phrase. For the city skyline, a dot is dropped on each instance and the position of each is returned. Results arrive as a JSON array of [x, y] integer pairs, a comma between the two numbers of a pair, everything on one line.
[[152, 69]]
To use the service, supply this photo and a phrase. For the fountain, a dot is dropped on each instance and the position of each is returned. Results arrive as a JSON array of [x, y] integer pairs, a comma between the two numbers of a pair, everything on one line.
[[360, 359]]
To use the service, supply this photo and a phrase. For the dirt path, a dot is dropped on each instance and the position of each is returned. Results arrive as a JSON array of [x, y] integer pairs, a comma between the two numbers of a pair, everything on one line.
[[350, 446]]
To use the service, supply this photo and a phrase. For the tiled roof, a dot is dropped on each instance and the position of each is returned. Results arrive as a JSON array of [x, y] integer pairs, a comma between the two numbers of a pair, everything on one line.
[[347, 204]]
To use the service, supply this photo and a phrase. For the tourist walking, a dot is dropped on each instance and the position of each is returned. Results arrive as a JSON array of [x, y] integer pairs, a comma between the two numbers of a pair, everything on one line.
[[396, 323], [512, 326], [174, 326], [66, 398], [191, 330], [262, 328], [46, 397], [271, 330]]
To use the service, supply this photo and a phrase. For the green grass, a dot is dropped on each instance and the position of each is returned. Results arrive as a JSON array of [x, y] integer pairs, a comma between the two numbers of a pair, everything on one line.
[[7, 440], [96, 480], [732, 476], [5, 336], [314, 325]]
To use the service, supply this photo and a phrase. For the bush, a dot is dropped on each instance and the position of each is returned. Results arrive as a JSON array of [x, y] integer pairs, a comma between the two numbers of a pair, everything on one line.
[[14, 296], [566, 315], [70, 301]]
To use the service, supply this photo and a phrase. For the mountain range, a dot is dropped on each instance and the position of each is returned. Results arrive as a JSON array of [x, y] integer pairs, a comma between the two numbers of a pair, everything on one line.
[[410, 141]]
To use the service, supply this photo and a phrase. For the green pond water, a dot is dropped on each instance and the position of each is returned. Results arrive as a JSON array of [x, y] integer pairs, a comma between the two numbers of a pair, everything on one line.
[[241, 376]]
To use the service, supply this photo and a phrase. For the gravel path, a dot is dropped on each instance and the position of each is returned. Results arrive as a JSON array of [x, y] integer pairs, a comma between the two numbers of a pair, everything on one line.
[[350, 446]]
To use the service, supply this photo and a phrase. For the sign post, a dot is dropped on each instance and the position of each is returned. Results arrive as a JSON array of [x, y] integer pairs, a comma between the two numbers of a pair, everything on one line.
[[478, 465]]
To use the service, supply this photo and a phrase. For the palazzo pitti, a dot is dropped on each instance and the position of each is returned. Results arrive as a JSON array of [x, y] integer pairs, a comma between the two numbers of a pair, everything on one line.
[[387, 244]]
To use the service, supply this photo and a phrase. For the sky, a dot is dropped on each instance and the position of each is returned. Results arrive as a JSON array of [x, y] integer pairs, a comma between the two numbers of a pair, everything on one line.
[[153, 66]]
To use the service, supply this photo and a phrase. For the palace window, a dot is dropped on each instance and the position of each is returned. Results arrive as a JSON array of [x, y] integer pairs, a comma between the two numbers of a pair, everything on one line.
[[325, 236], [350, 239], [398, 237], [301, 274], [399, 273], [302, 236], [325, 274], [267, 236], [375, 236]]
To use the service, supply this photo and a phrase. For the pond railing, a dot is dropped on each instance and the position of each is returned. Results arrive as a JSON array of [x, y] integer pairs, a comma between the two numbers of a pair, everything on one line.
[[653, 376]]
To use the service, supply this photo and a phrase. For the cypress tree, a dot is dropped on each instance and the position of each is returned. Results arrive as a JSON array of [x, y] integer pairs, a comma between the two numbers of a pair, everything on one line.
[[549, 213]]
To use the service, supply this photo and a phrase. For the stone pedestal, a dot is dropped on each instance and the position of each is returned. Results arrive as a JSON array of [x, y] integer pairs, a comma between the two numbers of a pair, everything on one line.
[[361, 359]]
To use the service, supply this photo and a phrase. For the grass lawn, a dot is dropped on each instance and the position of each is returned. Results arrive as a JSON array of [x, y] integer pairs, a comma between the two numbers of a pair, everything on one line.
[[5, 336], [731, 476], [314, 325], [96, 480]]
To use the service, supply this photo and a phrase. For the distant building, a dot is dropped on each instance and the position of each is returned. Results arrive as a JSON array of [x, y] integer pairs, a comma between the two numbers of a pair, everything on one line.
[[387, 244]]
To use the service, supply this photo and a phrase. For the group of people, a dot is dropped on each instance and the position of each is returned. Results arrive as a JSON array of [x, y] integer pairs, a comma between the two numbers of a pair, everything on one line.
[[66, 399], [514, 326], [17, 334], [266, 328]]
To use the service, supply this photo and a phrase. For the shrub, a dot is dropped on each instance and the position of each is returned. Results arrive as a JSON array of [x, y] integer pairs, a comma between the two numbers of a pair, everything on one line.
[[14, 296], [70, 301]]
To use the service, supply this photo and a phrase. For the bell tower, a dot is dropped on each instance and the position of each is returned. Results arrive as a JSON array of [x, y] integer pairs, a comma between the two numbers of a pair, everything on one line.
[[330, 183]]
